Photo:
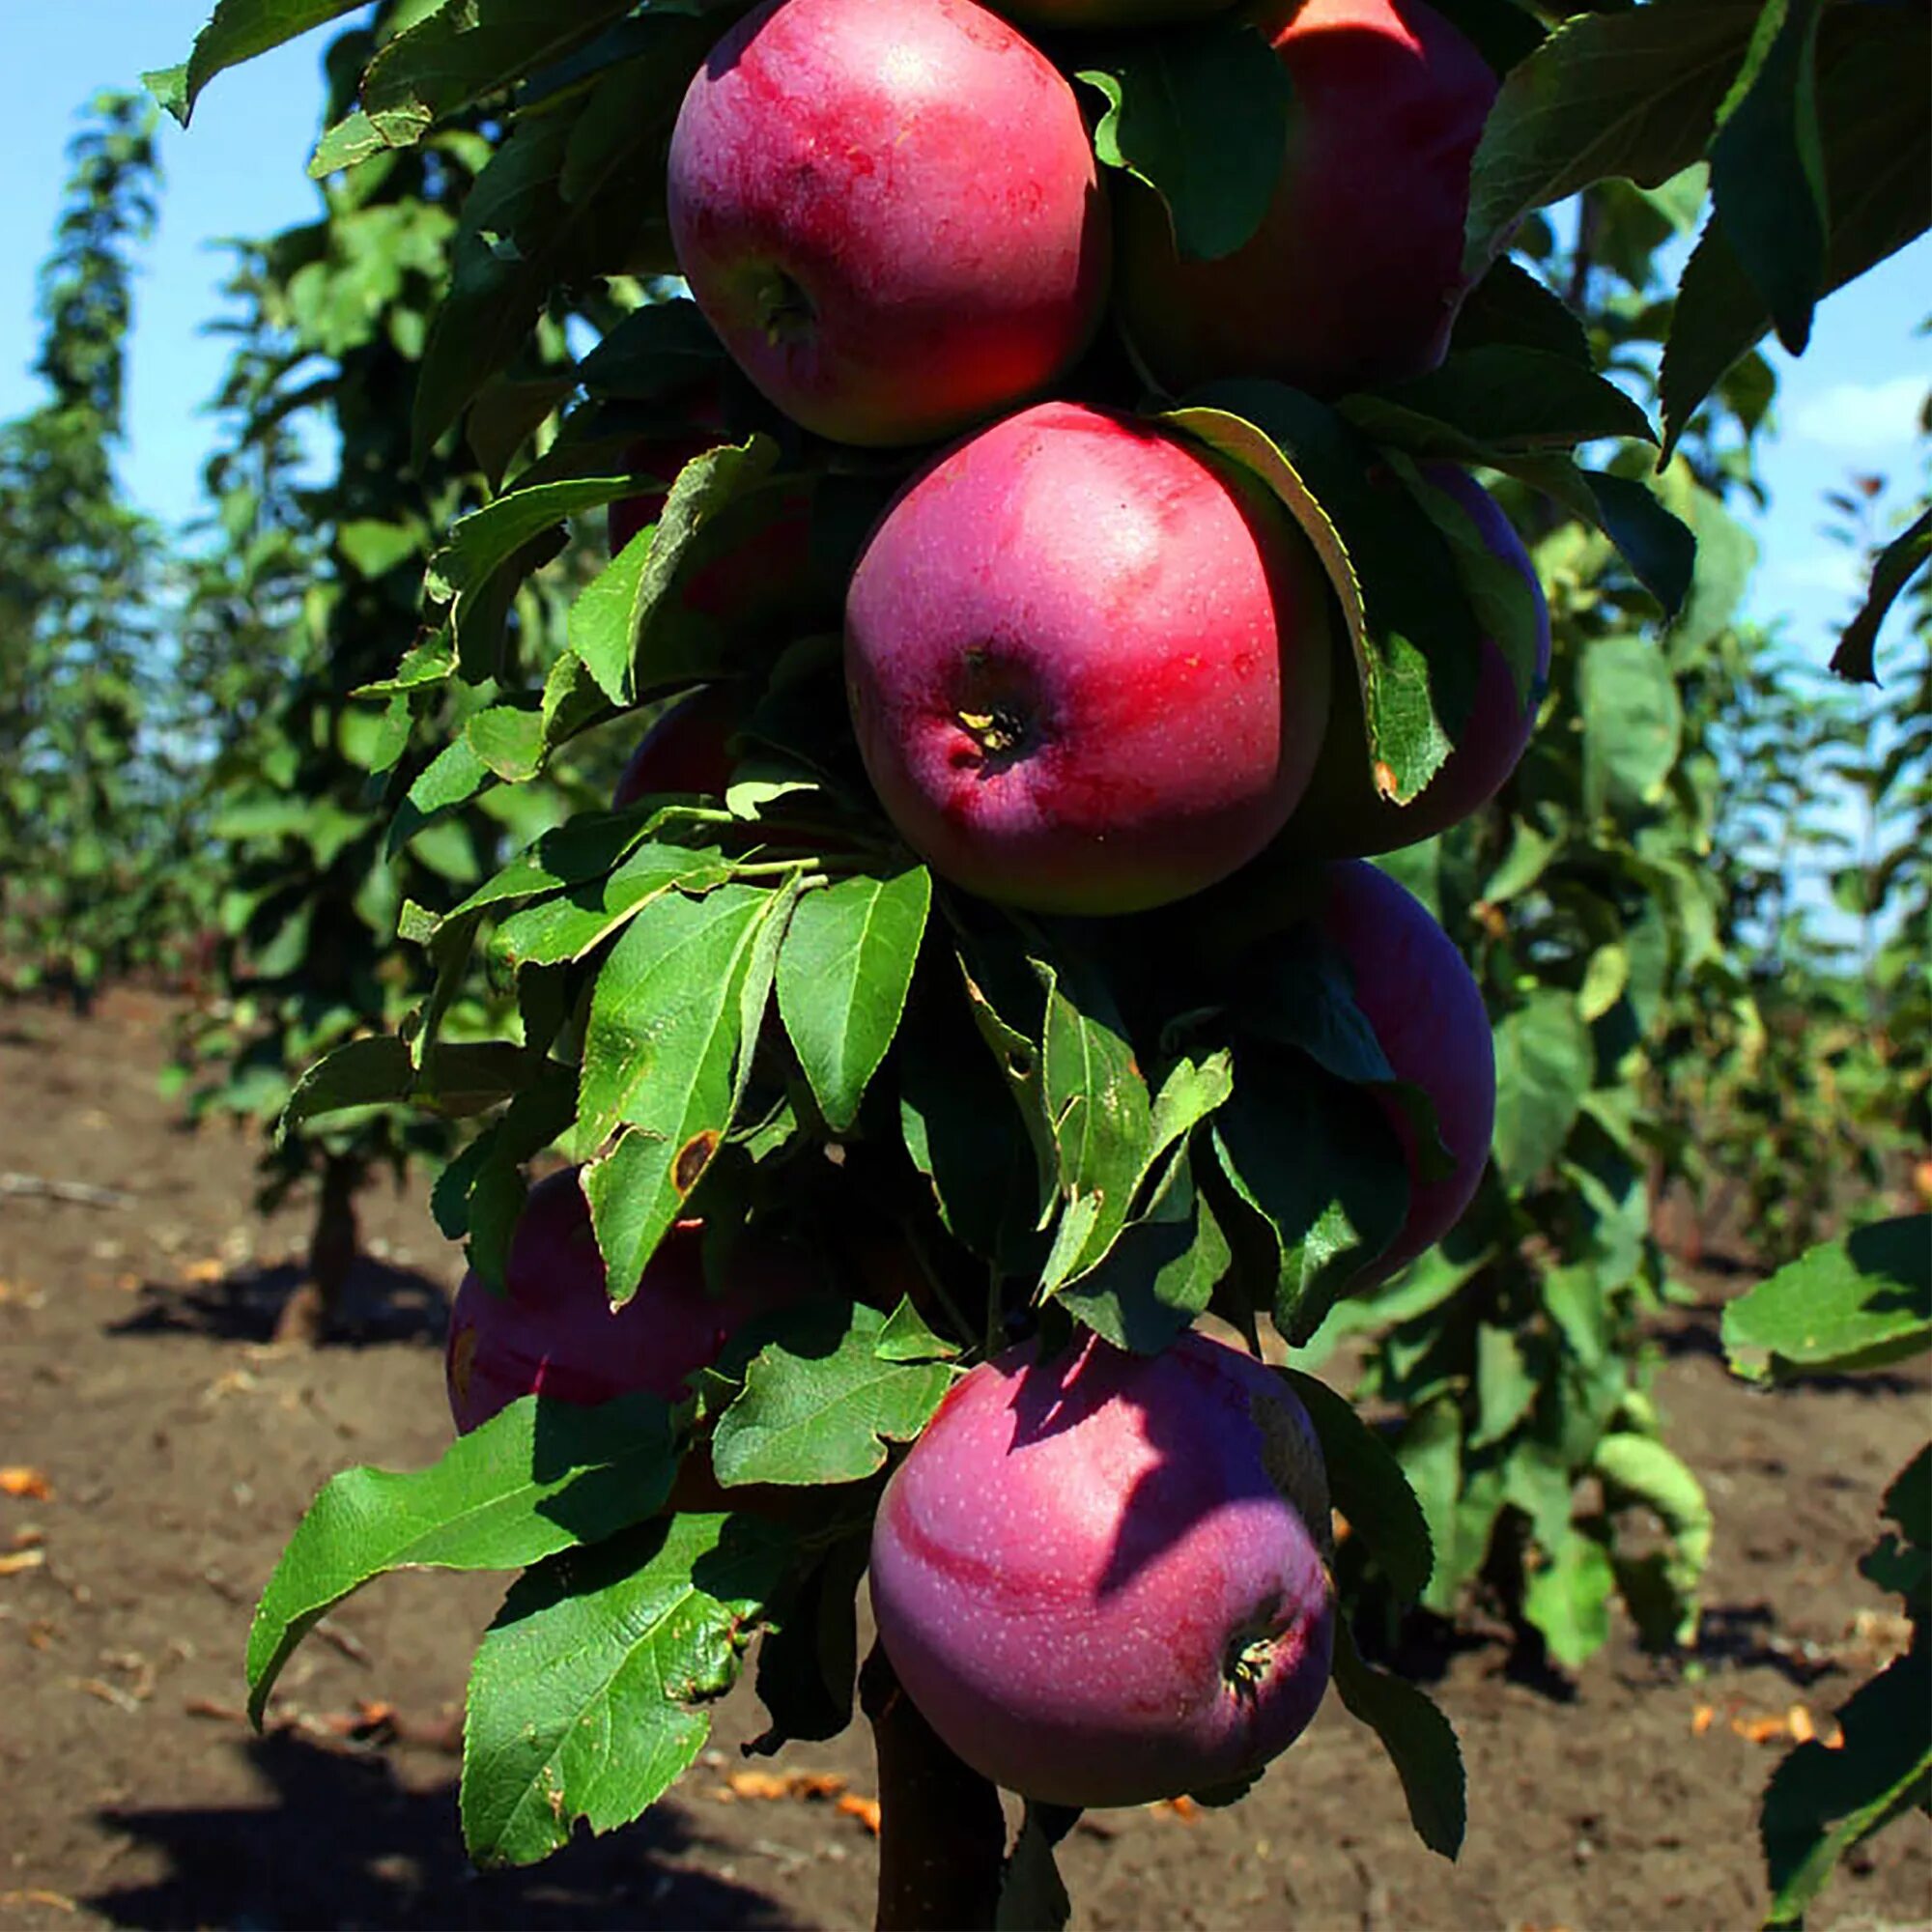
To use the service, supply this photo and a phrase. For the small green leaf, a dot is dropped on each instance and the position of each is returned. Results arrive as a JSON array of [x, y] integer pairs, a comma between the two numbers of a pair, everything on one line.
[[1569, 1600], [237, 32], [822, 1407], [1505, 1387], [537, 1478], [843, 975], [1543, 1067], [566, 925], [582, 1694]]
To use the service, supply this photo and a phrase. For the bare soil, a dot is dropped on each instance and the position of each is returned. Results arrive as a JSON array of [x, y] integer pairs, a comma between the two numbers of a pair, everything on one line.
[[180, 1450]]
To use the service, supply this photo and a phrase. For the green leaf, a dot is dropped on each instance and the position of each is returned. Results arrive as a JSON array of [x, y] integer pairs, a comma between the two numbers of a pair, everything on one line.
[[843, 975], [539, 1477], [1545, 1062], [1661, 551], [1895, 566], [1505, 1387], [1420, 1742], [581, 1696], [1632, 724], [1641, 1467], [449, 59], [1201, 114], [1033, 1895], [1507, 398], [1768, 167], [662, 350], [809, 1664], [238, 31], [1821, 1802], [1513, 308], [1158, 1275], [1569, 1600], [1876, 144], [821, 1406], [565, 925], [613, 623], [906, 1338], [668, 1047], [1318, 1161], [455, 1081], [1631, 94], [1367, 1485], [1394, 574], [1854, 1303]]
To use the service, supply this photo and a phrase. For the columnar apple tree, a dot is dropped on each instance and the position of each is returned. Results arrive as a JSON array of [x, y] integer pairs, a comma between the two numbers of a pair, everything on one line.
[[1058, 454]]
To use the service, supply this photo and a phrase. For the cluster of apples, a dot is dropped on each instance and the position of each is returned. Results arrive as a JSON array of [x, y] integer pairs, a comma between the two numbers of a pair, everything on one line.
[[1092, 669]]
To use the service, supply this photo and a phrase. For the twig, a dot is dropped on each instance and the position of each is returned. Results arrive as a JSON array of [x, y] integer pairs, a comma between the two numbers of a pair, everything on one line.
[[34, 1186]]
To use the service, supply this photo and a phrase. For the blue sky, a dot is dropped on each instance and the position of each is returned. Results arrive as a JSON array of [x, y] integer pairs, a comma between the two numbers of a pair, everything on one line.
[[1850, 403]]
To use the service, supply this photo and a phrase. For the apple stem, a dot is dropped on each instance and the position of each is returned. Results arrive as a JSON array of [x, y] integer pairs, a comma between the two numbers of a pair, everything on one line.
[[942, 1830]]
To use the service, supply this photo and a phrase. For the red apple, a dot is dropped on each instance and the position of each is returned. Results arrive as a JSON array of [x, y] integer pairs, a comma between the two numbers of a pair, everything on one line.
[[687, 748], [1426, 1010], [554, 1331], [1101, 1578], [1357, 272], [1343, 813], [891, 214], [1088, 663]]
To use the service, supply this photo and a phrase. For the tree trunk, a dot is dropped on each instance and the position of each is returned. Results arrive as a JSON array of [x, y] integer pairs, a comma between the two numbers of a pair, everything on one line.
[[313, 1311], [942, 1833]]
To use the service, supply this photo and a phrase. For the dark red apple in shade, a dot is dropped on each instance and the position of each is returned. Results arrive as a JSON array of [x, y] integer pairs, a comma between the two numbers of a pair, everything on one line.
[[554, 1333], [1101, 1577], [685, 749], [1342, 814], [1088, 663], [889, 213], [1356, 274], [1426, 1010]]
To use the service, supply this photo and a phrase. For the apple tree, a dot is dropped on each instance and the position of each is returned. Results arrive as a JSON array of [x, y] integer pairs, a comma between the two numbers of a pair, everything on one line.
[[989, 988], [91, 882]]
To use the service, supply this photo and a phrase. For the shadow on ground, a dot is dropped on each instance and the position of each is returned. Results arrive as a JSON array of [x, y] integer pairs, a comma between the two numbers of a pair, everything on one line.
[[343, 1842], [380, 1305]]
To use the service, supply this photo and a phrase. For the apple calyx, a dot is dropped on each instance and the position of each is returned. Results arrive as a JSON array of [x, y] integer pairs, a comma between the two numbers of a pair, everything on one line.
[[785, 313]]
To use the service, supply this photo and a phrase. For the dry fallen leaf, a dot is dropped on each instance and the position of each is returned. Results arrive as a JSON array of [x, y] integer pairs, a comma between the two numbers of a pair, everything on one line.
[[18, 1480], [865, 1810], [1797, 1721], [1702, 1719], [769, 1784], [1184, 1809], [22, 1559], [1759, 1730], [59, 1901], [204, 1275]]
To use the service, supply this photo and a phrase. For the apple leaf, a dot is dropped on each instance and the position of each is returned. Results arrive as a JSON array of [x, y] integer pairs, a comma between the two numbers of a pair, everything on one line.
[[1033, 1894], [1768, 167], [610, 622], [584, 848], [1158, 1273], [449, 59], [1875, 138], [1512, 308], [1632, 93], [1201, 115], [1857, 1303], [1568, 1599], [656, 351], [821, 1406], [842, 979], [238, 31], [454, 1081], [1895, 566], [565, 925], [667, 1050], [1319, 1166], [1366, 1483], [1545, 1064], [1415, 635], [1638, 1468], [583, 1694], [1500, 397], [1632, 723], [540, 1477], [808, 1656], [1420, 1741], [1821, 1802]]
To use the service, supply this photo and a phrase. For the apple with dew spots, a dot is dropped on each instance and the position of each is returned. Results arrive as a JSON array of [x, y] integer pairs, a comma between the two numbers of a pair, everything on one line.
[[891, 214], [1102, 1577], [1088, 663]]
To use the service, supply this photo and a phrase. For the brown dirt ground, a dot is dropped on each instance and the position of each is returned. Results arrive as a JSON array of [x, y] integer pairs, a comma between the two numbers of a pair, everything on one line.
[[180, 1452]]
